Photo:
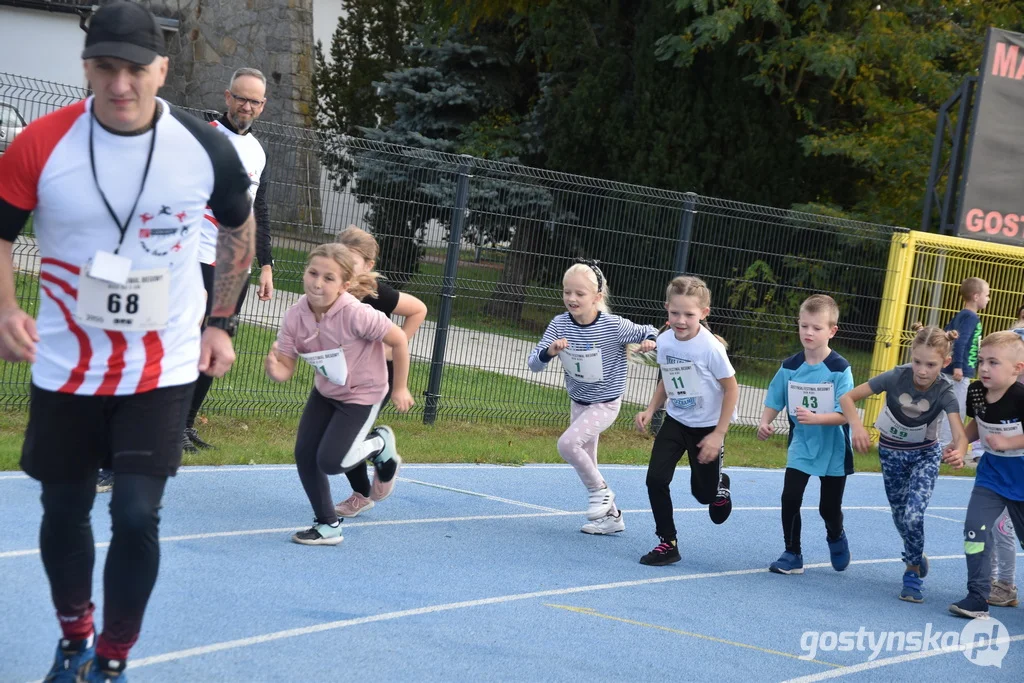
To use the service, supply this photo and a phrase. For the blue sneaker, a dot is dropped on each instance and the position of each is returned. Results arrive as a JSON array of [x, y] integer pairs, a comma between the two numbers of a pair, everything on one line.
[[71, 655], [92, 673], [788, 563], [924, 566], [840, 552], [911, 587], [970, 607]]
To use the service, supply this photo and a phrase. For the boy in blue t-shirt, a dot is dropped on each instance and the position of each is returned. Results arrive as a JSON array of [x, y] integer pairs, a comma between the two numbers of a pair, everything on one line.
[[996, 404], [808, 387], [975, 294]]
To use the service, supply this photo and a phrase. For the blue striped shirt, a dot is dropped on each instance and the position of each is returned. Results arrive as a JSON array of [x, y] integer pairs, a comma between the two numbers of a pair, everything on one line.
[[608, 332]]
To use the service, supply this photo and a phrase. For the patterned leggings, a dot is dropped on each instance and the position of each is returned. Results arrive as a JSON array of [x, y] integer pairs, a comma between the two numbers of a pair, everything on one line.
[[578, 444], [909, 477]]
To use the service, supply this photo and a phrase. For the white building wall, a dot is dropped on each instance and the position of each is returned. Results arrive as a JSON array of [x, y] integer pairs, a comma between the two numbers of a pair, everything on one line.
[[44, 45]]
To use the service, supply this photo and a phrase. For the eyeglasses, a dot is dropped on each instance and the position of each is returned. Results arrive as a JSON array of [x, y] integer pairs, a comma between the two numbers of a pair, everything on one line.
[[255, 104]]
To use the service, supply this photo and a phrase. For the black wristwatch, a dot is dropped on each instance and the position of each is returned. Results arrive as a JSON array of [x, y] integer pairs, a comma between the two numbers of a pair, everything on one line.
[[228, 324]]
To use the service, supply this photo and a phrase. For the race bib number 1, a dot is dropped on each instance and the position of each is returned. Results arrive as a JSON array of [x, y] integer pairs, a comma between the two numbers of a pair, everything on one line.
[[141, 304], [681, 380], [583, 366], [330, 363], [817, 398], [986, 429]]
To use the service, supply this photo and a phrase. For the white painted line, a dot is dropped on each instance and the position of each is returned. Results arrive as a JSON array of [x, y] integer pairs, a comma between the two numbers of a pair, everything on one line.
[[481, 495], [900, 659], [948, 519], [220, 469], [451, 606], [403, 522]]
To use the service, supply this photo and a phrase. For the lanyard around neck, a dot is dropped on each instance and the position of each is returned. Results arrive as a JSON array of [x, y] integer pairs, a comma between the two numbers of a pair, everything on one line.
[[122, 227]]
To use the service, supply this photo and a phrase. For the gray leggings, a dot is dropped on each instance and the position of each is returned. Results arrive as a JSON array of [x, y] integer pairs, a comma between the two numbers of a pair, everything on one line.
[[1004, 550], [982, 512]]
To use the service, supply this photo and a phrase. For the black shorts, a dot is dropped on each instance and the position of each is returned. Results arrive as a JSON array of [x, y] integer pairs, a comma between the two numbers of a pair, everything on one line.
[[208, 272], [71, 436]]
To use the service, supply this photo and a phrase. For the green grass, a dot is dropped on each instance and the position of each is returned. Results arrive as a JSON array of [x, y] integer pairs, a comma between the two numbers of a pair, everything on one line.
[[269, 440], [466, 393]]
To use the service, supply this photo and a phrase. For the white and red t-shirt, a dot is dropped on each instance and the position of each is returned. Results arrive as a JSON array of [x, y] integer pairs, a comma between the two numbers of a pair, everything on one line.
[[47, 170], [254, 160]]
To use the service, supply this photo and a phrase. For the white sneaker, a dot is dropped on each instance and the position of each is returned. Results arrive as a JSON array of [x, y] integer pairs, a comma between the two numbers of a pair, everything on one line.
[[609, 524], [600, 503]]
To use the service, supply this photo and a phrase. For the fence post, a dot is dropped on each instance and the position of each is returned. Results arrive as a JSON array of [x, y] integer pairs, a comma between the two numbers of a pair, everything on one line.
[[444, 313], [679, 267], [685, 234]]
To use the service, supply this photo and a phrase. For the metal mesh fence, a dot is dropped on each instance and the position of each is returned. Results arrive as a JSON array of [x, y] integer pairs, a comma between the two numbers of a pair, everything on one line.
[[484, 245]]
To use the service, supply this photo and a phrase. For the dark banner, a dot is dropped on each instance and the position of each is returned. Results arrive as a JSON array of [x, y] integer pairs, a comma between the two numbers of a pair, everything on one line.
[[992, 203]]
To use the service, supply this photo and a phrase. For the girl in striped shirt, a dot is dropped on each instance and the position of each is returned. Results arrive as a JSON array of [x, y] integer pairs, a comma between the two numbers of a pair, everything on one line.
[[591, 343]]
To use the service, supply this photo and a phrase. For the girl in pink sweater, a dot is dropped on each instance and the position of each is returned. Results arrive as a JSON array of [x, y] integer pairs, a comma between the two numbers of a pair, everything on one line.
[[343, 340]]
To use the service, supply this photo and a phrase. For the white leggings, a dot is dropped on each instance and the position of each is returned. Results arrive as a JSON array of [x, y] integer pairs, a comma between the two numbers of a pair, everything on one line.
[[578, 444]]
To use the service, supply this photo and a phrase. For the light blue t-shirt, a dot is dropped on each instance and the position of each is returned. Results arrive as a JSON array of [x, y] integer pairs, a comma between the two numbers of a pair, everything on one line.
[[818, 450]]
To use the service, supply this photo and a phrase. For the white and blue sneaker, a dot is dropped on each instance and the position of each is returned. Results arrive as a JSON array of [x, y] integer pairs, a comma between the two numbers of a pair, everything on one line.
[[320, 534], [788, 563], [71, 655]]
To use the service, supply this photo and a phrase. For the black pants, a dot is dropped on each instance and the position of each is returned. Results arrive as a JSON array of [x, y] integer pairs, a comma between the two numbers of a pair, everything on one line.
[[68, 551], [830, 508], [674, 439], [67, 439], [358, 479], [328, 430], [205, 381]]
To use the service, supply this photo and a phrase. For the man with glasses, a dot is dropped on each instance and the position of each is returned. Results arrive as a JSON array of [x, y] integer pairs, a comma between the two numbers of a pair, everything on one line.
[[245, 99]]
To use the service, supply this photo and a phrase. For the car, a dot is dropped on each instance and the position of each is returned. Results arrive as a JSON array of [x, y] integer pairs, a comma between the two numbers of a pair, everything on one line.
[[11, 123]]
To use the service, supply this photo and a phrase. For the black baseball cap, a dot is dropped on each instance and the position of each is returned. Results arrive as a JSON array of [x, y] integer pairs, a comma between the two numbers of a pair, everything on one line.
[[126, 31]]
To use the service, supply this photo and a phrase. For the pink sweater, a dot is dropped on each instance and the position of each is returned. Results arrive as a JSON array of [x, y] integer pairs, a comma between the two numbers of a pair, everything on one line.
[[358, 329]]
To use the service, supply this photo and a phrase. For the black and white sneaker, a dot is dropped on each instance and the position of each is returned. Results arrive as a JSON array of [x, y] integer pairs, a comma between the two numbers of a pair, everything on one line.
[[193, 436], [722, 507], [320, 534]]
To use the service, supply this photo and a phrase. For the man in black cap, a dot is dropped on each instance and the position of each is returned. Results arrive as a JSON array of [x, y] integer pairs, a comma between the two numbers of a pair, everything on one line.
[[118, 184]]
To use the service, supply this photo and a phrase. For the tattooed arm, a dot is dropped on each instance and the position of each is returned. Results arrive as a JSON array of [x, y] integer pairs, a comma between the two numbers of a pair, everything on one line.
[[235, 248]]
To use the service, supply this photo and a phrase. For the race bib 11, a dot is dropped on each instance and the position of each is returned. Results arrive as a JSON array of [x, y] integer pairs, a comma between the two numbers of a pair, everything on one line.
[[681, 380]]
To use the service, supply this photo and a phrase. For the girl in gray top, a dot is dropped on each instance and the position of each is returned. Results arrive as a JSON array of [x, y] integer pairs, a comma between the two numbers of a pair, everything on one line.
[[917, 397]]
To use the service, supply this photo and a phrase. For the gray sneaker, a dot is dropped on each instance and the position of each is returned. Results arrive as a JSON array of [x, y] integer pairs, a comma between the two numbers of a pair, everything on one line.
[[1003, 594]]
